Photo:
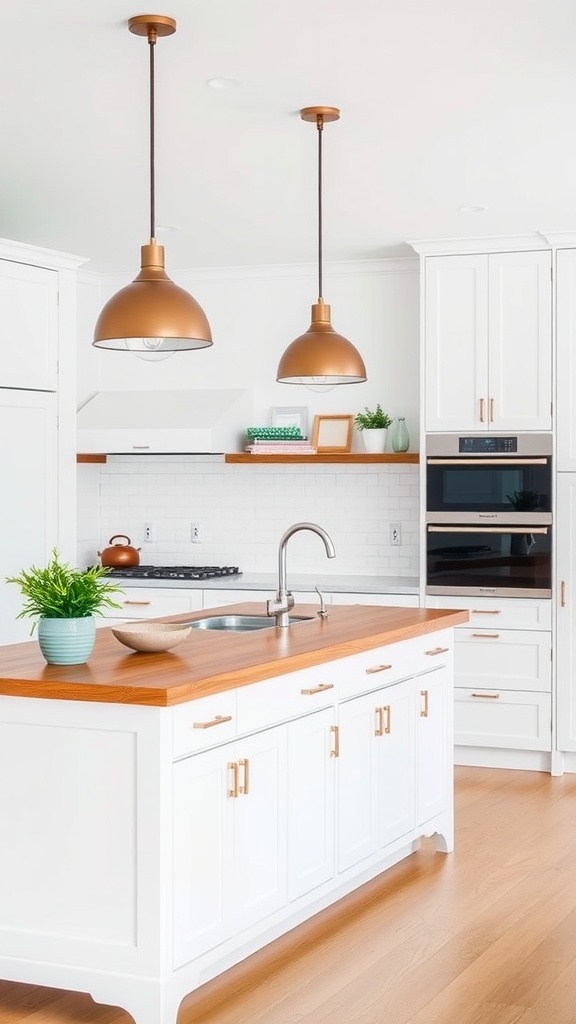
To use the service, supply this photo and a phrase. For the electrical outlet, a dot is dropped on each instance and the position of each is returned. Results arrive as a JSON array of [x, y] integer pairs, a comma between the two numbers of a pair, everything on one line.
[[149, 532], [195, 533], [395, 534]]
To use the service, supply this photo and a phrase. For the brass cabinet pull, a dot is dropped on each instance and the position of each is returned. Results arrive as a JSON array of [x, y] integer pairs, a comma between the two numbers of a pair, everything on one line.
[[388, 713], [317, 689], [379, 730], [487, 696], [233, 767], [491, 410], [377, 668], [335, 732], [213, 721], [486, 611], [481, 410], [137, 602], [244, 764], [424, 708], [486, 636], [437, 650], [563, 594]]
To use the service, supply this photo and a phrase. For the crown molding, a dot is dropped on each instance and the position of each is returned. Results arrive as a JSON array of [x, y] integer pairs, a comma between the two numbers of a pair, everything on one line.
[[34, 255], [560, 239], [483, 244]]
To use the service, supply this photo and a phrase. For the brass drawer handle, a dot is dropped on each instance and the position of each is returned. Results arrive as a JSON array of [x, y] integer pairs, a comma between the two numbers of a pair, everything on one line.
[[244, 764], [437, 650], [335, 732], [481, 410], [377, 668], [379, 730], [233, 767], [486, 611], [317, 689], [424, 708], [388, 723], [486, 636], [563, 594], [491, 410], [137, 602], [487, 696], [213, 721]]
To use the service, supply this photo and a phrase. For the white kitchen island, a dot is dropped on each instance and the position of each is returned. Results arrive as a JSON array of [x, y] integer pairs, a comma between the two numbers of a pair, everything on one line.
[[164, 816]]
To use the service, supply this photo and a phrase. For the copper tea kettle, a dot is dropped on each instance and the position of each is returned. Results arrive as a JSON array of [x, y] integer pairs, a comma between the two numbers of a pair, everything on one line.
[[120, 555]]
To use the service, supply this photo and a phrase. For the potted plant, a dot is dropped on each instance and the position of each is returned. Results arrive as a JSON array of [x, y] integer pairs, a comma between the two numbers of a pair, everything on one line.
[[63, 602], [374, 423]]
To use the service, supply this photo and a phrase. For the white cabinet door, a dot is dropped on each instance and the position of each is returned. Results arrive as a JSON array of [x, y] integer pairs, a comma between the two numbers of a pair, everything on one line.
[[376, 772], [29, 314], [503, 659], [434, 764], [520, 341], [29, 508], [566, 611], [488, 342], [311, 779], [565, 360], [229, 812]]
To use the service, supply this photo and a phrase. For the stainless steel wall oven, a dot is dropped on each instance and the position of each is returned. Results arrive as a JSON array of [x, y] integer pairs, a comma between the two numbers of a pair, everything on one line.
[[489, 515]]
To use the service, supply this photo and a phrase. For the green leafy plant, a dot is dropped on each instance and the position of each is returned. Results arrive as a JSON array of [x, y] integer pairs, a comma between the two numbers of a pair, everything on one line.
[[372, 419], [524, 501], [60, 592]]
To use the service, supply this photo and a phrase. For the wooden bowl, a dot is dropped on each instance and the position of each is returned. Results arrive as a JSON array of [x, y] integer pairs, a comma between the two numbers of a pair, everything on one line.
[[150, 637]]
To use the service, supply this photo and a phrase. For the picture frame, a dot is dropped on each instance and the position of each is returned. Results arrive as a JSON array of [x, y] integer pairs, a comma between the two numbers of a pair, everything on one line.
[[332, 433], [290, 416]]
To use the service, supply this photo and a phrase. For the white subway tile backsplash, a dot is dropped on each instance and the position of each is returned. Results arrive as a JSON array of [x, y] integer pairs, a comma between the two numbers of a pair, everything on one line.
[[243, 510]]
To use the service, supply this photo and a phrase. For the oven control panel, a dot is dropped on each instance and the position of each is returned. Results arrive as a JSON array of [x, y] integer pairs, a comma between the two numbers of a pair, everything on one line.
[[487, 445]]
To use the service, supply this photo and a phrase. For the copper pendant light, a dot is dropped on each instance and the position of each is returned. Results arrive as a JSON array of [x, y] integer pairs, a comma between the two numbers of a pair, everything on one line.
[[321, 357], [152, 315]]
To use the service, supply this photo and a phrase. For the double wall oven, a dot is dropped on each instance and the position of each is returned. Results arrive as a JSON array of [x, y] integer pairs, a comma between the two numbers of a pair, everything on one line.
[[489, 515]]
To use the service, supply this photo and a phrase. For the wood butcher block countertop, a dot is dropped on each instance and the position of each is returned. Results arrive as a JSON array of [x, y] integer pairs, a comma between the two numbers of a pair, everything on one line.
[[209, 661]]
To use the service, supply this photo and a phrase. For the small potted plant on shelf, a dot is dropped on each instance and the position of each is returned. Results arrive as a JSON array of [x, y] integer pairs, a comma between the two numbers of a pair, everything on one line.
[[374, 426], [63, 602]]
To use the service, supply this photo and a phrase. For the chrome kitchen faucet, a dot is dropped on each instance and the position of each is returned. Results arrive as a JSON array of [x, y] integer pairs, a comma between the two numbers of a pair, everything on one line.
[[280, 606]]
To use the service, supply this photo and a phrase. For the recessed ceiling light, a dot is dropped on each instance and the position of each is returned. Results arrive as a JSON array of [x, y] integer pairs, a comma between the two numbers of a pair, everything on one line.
[[471, 209], [223, 83]]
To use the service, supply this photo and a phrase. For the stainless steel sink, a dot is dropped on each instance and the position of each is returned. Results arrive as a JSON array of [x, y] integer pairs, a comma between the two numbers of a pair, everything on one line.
[[242, 623]]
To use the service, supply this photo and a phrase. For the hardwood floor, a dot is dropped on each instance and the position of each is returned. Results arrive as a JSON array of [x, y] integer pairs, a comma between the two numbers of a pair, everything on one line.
[[486, 935]]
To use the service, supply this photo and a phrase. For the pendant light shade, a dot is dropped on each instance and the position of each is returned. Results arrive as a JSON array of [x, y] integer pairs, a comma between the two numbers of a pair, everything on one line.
[[152, 314], [321, 357]]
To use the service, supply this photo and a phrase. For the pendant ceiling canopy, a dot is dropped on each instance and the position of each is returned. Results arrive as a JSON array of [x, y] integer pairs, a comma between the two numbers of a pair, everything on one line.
[[321, 357], [152, 315]]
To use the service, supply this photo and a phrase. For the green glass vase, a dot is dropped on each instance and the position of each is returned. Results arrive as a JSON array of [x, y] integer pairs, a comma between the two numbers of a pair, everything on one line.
[[399, 436]]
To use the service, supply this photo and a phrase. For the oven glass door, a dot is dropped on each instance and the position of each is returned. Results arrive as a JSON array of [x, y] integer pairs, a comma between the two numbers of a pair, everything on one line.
[[510, 488], [510, 561]]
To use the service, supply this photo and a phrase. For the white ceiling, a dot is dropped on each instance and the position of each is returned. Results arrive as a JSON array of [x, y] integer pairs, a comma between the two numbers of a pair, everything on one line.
[[445, 103]]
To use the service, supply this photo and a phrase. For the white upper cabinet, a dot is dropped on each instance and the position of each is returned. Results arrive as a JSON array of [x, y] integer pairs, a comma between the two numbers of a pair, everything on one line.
[[29, 303], [488, 342], [566, 359]]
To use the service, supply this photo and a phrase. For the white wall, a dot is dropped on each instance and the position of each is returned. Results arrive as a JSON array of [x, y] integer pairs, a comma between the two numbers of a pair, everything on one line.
[[243, 510], [254, 314]]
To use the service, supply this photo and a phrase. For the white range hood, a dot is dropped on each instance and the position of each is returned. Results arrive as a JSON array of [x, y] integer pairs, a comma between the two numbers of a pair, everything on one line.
[[164, 422]]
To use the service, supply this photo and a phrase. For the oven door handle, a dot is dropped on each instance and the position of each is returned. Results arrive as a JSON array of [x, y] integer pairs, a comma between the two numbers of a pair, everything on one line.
[[467, 461], [489, 529]]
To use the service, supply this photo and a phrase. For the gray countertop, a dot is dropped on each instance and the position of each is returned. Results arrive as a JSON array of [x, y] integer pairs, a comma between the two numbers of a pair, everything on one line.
[[296, 582]]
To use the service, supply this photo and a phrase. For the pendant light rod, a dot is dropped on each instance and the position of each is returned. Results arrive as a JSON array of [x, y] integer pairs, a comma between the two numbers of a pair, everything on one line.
[[320, 126], [152, 35]]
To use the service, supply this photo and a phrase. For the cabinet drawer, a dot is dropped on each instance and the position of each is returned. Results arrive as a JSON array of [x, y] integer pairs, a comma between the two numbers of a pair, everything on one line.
[[518, 721], [296, 693], [203, 723], [503, 659], [143, 603], [384, 665], [505, 613]]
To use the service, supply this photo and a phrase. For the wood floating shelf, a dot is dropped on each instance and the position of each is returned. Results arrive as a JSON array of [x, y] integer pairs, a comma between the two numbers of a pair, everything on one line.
[[255, 460], [345, 457]]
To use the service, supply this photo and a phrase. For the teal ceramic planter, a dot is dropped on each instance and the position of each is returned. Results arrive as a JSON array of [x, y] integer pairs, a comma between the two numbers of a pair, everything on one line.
[[67, 641]]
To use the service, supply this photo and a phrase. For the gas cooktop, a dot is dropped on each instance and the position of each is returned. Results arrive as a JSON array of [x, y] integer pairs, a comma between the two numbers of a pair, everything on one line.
[[175, 572]]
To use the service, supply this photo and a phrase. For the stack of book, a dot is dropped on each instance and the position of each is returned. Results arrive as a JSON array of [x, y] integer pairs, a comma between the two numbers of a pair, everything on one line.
[[278, 441]]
